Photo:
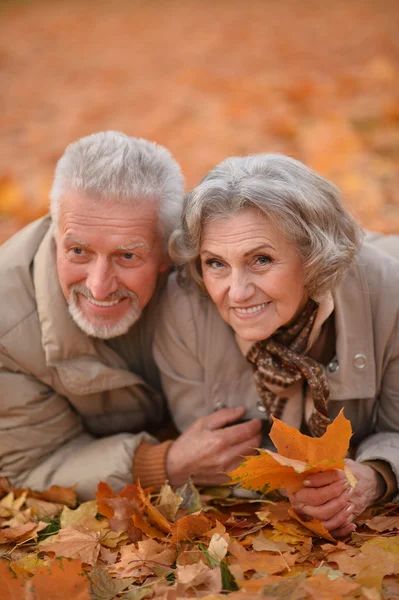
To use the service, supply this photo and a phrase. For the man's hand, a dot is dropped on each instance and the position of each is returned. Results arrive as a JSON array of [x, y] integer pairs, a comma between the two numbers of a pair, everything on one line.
[[329, 498], [208, 449]]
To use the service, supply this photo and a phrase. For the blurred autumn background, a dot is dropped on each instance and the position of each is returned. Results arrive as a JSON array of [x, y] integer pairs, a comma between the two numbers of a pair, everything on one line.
[[318, 80]]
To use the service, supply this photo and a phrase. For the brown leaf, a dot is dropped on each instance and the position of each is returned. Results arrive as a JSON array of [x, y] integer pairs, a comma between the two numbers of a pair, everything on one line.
[[261, 562], [198, 580], [74, 542], [137, 561], [383, 523], [168, 502]]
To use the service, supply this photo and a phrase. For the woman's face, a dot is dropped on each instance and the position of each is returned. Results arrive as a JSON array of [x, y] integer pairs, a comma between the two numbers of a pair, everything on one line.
[[252, 273]]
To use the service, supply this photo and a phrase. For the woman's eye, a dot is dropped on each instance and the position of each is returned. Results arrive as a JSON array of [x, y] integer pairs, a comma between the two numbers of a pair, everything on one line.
[[214, 263], [263, 260]]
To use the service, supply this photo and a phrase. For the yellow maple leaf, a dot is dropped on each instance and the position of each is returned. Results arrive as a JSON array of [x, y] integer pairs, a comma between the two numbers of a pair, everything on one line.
[[297, 456]]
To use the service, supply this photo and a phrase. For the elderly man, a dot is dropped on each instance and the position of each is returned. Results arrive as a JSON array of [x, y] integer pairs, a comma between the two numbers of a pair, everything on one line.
[[79, 290]]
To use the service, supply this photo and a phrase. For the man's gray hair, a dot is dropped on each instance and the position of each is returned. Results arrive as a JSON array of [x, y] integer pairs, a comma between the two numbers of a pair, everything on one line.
[[111, 166], [303, 206]]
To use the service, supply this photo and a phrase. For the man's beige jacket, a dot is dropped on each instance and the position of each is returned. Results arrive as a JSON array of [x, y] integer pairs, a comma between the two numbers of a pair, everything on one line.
[[203, 369], [65, 398]]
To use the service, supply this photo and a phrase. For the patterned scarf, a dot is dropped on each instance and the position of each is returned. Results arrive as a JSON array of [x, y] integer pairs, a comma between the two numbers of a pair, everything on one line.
[[279, 360]]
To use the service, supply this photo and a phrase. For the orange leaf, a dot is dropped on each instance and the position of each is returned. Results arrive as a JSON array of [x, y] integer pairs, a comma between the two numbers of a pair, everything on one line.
[[58, 581], [315, 526], [120, 508], [190, 527], [154, 516], [299, 455], [333, 445], [147, 528]]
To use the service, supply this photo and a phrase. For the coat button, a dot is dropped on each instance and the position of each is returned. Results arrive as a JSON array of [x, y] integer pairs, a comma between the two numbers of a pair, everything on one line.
[[219, 405], [260, 406], [333, 366], [360, 361]]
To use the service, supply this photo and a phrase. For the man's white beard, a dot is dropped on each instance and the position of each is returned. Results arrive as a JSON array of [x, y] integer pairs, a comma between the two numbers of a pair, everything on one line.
[[104, 332]]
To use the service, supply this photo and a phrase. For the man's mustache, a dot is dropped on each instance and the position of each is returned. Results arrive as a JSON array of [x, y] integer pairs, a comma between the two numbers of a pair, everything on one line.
[[117, 295]]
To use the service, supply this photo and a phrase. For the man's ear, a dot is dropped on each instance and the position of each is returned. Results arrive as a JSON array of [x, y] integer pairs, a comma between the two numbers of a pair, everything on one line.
[[165, 263]]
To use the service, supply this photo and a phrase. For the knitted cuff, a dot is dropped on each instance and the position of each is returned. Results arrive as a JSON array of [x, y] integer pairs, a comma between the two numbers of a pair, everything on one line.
[[384, 469], [149, 464]]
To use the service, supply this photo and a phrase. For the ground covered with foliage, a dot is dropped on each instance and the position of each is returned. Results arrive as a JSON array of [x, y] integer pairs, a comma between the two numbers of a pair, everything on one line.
[[183, 544]]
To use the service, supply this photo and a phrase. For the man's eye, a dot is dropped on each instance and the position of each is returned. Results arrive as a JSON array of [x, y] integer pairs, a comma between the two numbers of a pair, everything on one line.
[[77, 251], [128, 255]]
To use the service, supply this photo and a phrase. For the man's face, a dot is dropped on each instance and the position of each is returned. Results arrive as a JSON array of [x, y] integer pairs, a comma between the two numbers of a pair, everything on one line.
[[108, 259]]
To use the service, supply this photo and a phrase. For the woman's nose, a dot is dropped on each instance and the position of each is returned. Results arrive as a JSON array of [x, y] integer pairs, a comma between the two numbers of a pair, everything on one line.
[[241, 288]]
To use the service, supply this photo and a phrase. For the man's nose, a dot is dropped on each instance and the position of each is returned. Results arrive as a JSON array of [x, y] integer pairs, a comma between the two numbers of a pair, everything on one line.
[[101, 279], [241, 287]]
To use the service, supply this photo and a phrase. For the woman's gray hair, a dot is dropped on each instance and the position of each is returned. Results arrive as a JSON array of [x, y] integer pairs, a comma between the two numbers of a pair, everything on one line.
[[111, 166], [303, 206]]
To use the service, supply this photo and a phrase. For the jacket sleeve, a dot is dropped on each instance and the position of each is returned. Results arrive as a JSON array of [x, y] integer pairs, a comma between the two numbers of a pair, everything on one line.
[[384, 443], [177, 355], [43, 442]]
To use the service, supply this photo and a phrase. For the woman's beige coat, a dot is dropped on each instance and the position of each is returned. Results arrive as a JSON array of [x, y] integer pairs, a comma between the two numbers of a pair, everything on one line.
[[202, 368], [70, 405]]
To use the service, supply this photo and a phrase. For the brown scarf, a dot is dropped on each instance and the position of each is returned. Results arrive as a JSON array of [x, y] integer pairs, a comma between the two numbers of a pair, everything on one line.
[[279, 360]]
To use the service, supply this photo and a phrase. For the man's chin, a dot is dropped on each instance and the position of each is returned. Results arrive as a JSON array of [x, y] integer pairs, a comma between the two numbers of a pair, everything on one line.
[[104, 329]]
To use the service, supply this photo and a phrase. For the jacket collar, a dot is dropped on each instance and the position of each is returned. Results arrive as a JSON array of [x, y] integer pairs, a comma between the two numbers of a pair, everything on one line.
[[356, 373], [84, 364]]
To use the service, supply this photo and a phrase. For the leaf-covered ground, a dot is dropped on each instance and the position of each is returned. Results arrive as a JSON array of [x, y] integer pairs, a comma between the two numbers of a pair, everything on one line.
[[183, 544], [317, 80]]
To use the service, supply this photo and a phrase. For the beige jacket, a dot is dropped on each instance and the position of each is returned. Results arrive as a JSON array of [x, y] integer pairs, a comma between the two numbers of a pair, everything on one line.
[[203, 369], [65, 398]]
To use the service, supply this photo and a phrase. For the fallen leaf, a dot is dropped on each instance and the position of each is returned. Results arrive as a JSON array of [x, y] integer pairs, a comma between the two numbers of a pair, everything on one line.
[[83, 515], [138, 561], [315, 526], [60, 580], [74, 542], [199, 579], [105, 587], [168, 502], [217, 548], [383, 523], [190, 527]]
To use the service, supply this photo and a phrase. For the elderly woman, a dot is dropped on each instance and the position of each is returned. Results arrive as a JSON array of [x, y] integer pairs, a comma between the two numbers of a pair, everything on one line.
[[284, 310]]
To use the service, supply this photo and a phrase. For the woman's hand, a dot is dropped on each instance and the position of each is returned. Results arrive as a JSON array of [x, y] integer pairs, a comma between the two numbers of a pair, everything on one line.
[[208, 449], [329, 498]]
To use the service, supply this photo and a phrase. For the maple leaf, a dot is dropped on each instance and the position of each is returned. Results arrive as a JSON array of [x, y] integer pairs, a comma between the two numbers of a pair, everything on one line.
[[168, 502], [57, 494], [83, 515], [190, 527], [21, 532], [74, 542], [315, 526], [119, 508], [383, 523], [261, 562], [138, 561], [297, 456], [154, 515], [199, 579], [59, 580]]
